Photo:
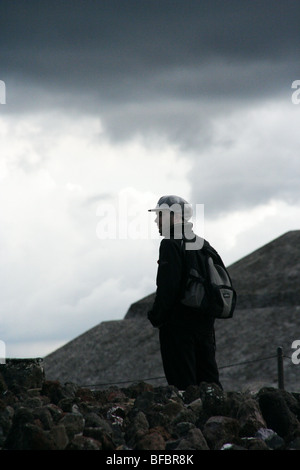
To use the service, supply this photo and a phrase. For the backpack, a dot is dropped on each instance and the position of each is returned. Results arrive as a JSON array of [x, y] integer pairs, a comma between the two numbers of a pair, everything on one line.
[[208, 287]]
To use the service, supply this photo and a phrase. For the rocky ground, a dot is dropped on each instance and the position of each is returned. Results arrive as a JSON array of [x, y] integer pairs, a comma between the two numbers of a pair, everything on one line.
[[36, 414]]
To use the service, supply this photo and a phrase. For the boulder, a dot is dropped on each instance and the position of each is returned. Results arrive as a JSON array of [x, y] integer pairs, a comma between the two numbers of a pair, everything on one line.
[[152, 440], [193, 440], [219, 430], [250, 417], [274, 406], [73, 423], [270, 438]]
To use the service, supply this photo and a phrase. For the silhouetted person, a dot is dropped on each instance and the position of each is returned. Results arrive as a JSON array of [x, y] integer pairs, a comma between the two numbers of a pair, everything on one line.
[[187, 339]]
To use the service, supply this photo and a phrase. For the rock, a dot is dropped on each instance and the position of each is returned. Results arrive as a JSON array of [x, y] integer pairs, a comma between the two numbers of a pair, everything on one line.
[[73, 423], [93, 420], [15, 439], [26, 435], [186, 415], [276, 413], [191, 394], [271, 439], [58, 436], [294, 445], [134, 390], [33, 402], [234, 400], [219, 430], [295, 405], [98, 433], [172, 409], [84, 443], [3, 386], [213, 400], [193, 440], [68, 405], [196, 406], [6, 419], [250, 418], [35, 438], [137, 427], [183, 428], [100, 430], [152, 440], [44, 416], [55, 411], [53, 390], [252, 443]]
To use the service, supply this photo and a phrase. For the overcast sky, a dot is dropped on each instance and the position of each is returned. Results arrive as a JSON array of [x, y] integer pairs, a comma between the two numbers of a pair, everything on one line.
[[107, 106]]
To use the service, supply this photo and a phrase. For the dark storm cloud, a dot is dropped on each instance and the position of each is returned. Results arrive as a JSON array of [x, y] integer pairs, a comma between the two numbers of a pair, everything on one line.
[[132, 49], [158, 67], [120, 57]]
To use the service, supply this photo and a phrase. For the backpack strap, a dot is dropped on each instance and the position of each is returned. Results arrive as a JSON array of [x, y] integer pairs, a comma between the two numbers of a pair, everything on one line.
[[193, 259]]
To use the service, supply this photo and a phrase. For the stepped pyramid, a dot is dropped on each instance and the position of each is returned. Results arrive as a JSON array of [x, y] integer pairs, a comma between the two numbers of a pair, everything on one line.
[[267, 317]]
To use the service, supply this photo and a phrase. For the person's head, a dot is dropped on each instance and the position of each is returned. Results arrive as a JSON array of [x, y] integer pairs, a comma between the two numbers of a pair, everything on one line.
[[171, 211]]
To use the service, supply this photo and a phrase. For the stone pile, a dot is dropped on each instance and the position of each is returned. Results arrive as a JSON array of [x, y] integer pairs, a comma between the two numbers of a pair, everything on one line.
[[37, 414]]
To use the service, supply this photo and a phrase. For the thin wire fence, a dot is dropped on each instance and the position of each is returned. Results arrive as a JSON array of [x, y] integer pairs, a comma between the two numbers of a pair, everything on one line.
[[279, 356]]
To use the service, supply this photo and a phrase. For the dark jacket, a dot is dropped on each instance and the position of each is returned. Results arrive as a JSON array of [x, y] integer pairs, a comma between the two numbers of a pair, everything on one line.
[[170, 281]]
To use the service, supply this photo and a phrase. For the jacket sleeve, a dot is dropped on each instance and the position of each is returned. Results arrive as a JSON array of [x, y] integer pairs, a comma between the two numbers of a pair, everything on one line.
[[168, 282]]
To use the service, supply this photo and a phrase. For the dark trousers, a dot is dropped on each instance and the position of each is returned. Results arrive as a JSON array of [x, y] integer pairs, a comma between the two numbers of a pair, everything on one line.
[[188, 357]]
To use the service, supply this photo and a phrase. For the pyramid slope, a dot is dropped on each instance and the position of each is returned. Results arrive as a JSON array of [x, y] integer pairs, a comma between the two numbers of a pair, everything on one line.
[[270, 275], [113, 351], [140, 308]]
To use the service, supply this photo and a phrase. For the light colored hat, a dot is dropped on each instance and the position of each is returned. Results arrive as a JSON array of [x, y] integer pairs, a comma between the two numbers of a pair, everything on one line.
[[175, 204]]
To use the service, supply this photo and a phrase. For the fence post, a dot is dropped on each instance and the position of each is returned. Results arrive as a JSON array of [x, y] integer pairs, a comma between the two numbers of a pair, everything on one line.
[[280, 368]]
